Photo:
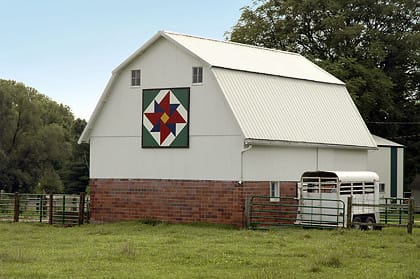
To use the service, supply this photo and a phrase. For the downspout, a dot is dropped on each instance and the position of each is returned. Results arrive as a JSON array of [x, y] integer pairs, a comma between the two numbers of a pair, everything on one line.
[[317, 158], [242, 162]]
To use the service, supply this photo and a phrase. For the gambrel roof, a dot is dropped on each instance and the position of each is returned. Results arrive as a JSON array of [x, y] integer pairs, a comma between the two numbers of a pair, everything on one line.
[[277, 97], [385, 142]]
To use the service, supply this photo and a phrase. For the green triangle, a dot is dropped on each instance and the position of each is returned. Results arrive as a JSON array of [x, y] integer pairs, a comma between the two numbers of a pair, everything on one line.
[[147, 140]]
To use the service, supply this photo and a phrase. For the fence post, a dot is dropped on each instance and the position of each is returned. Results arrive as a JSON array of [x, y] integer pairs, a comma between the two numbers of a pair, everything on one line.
[[16, 209], [400, 214], [246, 211], [410, 215], [41, 207], [81, 208], [349, 210], [50, 210], [64, 210]]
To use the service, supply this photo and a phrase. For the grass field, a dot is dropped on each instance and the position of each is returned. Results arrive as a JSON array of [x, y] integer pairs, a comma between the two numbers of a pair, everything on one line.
[[137, 250]]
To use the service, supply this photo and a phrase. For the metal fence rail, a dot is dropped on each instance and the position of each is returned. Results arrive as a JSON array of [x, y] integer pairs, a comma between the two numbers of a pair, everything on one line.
[[265, 212], [395, 212], [52, 208]]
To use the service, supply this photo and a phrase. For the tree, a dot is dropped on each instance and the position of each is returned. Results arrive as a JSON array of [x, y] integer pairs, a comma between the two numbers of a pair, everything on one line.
[[37, 141], [76, 174], [373, 46], [50, 182]]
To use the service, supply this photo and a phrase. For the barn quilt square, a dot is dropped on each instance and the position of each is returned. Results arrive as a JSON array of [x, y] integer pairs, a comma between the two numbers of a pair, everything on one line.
[[166, 118]]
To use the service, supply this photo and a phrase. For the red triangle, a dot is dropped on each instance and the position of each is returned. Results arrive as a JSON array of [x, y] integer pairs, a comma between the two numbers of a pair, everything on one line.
[[164, 132], [165, 103], [154, 117], [176, 117]]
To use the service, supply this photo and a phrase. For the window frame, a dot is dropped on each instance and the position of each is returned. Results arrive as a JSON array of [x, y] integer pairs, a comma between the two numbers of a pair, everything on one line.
[[274, 191], [135, 80], [197, 75], [381, 187]]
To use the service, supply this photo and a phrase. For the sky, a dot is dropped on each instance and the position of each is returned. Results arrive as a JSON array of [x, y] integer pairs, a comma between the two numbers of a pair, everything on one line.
[[67, 49]]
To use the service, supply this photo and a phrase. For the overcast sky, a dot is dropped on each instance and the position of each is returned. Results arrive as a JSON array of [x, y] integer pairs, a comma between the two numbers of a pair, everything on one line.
[[67, 49]]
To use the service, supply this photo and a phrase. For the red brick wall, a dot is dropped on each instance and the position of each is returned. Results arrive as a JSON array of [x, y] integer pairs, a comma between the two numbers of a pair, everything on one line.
[[175, 201]]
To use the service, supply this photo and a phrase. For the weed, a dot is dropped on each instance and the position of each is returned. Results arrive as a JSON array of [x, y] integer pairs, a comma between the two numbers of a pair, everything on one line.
[[17, 256], [330, 260], [151, 222], [314, 268], [128, 250]]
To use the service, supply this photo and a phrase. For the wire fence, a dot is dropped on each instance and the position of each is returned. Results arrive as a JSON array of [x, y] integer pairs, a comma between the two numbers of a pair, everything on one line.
[[45, 208]]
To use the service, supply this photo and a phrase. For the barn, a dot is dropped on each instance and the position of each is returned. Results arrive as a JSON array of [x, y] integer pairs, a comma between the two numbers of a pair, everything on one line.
[[388, 162], [187, 128]]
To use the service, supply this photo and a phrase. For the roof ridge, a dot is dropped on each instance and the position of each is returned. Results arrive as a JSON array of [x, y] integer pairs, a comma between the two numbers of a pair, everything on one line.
[[230, 42]]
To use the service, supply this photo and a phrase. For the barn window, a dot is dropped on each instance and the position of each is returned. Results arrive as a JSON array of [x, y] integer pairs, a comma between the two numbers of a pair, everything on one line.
[[274, 191], [197, 75], [381, 187], [135, 78]]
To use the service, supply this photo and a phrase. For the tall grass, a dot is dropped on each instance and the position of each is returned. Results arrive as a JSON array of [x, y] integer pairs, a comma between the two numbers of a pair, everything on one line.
[[138, 250]]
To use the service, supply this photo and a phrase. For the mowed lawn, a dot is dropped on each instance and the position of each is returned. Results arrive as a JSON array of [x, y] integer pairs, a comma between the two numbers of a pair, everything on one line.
[[137, 250]]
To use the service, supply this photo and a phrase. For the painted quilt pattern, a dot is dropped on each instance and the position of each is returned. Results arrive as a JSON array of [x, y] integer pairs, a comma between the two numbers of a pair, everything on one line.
[[165, 118]]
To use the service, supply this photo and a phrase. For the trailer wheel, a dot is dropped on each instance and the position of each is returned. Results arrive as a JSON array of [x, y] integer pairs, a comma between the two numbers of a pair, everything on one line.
[[370, 221], [357, 219]]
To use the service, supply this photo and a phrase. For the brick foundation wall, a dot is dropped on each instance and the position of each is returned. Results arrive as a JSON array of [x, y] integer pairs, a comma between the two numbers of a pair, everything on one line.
[[176, 201]]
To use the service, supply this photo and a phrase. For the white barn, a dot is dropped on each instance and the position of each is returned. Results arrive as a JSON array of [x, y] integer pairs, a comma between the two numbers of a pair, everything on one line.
[[188, 127], [388, 162]]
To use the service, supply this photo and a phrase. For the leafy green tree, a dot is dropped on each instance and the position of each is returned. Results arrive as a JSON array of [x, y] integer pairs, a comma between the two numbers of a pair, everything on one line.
[[373, 46], [50, 182], [37, 141], [76, 173]]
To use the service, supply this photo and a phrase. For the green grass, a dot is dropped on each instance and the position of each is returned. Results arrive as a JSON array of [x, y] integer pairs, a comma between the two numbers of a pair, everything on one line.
[[138, 250]]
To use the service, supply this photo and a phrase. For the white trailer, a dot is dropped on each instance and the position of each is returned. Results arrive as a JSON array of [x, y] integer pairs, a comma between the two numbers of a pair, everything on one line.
[[323, 197]]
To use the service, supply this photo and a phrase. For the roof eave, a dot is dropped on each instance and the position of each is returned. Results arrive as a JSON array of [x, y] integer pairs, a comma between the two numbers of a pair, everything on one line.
[[145, 46], [167, 35], [338, 82], [250, 141], [85, 136]]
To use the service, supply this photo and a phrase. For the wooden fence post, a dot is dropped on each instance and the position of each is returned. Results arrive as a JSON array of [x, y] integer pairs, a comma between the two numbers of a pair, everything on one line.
[[349, 210], [50, 210], [16, 208], [81, 208], [410, 215]]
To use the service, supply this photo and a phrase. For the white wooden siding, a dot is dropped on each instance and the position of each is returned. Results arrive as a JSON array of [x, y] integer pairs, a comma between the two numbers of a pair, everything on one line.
[[215, 137], [278, 163]]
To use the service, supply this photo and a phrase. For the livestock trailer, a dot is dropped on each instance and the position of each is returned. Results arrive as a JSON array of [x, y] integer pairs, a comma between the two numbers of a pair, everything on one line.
[[323, 197]]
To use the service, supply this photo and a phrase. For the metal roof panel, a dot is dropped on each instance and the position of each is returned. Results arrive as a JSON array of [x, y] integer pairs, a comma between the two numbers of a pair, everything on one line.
[[249, 58], [276, 108]]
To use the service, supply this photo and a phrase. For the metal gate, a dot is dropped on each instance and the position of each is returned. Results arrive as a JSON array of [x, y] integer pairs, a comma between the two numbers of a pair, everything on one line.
[[265, 212], [52, 208]]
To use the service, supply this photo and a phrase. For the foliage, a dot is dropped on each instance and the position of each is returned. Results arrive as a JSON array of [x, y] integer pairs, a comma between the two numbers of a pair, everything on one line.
[[373, 46], [136, 250], [38, 143]]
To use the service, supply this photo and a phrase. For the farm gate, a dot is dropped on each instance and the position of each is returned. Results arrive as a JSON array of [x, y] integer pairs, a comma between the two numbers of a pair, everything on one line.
[[265, 212], [394, 212], [44, 208]]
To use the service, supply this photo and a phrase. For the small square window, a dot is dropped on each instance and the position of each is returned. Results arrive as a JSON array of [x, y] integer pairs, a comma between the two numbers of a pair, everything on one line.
[[135, 78], [274, 191], [381, 187], [197, 75]]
